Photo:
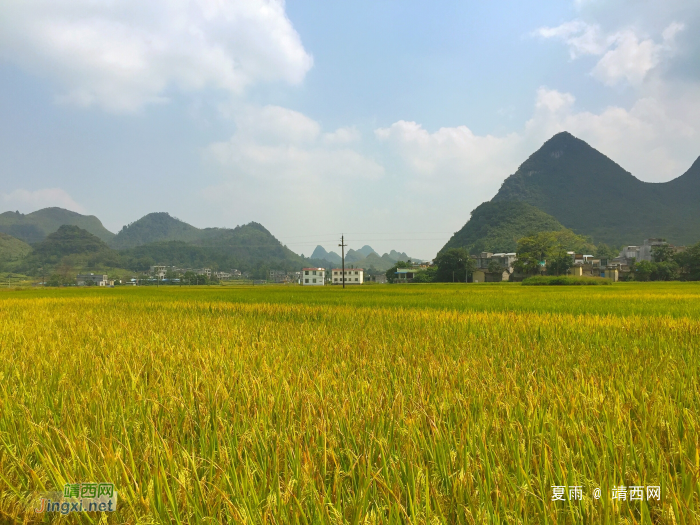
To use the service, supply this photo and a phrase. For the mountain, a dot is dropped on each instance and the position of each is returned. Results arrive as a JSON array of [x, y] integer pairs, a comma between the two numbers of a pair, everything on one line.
[[12, 249], [69, 240], [497, 226], [353, 256], [34, 227], [366, 257], [155, 227], [321, 254], [592, 195], [367, 250], [399, 256], [252, 242], [73, 247], [248, 247]]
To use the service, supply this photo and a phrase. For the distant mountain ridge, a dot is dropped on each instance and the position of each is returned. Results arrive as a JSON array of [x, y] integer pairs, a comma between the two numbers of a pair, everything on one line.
[[592, 195], [366, 257], [36, 226], [321, 254]]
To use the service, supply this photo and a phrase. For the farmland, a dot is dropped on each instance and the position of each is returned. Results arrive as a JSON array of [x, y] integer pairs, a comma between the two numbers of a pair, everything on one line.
[[379, 404]]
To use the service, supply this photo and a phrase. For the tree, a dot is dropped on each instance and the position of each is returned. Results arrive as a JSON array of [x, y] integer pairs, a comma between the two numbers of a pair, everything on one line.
[[533, 252], [663, 253], [560, 262], [391, 272], [496, 267], [454, 264], [665, 271], [642, 270], [54, 280], [425, 276], [689, 263], [603, 251]]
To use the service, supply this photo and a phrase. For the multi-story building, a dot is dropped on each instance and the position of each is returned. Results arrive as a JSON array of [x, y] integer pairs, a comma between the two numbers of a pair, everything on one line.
[[640, 253], [351, 276], [159, 271], [278, 276], [313, 276], [484, 260], [90, 279]]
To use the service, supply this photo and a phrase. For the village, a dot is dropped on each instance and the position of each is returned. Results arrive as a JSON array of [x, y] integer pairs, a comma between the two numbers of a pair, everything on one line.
[[487, 268]]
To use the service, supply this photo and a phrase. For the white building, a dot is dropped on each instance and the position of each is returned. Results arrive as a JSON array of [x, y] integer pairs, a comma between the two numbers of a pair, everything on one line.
[[352, 276], [94, 280], [313, 276], [159, 271]]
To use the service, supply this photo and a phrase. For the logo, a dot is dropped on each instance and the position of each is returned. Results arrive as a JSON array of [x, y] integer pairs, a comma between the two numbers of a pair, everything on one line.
[[80, 497]]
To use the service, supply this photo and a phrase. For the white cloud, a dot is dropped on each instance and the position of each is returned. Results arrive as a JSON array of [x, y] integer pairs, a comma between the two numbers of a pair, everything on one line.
[[342, 136], [275, 124], [296, 179], [582, 38], [450, 155], [625, 55], [441, 176], [123, 55], [278, 165], [29, 201], [648, 139]]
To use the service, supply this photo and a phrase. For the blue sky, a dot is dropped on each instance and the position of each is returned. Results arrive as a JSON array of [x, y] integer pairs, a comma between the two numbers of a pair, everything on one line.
[[388, 121]]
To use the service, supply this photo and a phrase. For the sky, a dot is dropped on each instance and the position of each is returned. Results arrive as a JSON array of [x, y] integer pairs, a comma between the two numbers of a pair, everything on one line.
[[387, 121]]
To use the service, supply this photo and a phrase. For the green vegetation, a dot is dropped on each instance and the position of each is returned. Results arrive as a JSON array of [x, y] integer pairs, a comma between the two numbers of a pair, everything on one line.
[[12, 249], [497, 227], [587, 192], [155, 227], [34, 227], [669, 266], [454, 265], [420, 404], [552, 248], [563, 280], [72, 249]]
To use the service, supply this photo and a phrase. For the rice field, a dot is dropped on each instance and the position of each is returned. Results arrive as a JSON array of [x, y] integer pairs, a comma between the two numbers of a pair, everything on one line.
[[456, 404]]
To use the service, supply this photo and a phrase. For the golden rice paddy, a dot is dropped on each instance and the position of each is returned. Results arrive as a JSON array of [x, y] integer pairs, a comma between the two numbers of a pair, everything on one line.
[[382, 404]]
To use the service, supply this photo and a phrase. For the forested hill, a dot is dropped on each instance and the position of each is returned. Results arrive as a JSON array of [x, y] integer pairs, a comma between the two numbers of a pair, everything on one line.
[[592, 195], [36, 226], [155, 227], [497, 226]]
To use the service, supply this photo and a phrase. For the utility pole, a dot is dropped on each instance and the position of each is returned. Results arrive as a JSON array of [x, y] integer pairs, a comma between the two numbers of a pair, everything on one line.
[[342, 251]]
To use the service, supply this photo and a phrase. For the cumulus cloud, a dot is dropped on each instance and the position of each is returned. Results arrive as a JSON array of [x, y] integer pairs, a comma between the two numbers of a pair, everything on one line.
[[450, 157], [279, 164], [342, 136], [626, 57], [28, 201], [452, 170], [276, 125], [123, 55], [648, 139]]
